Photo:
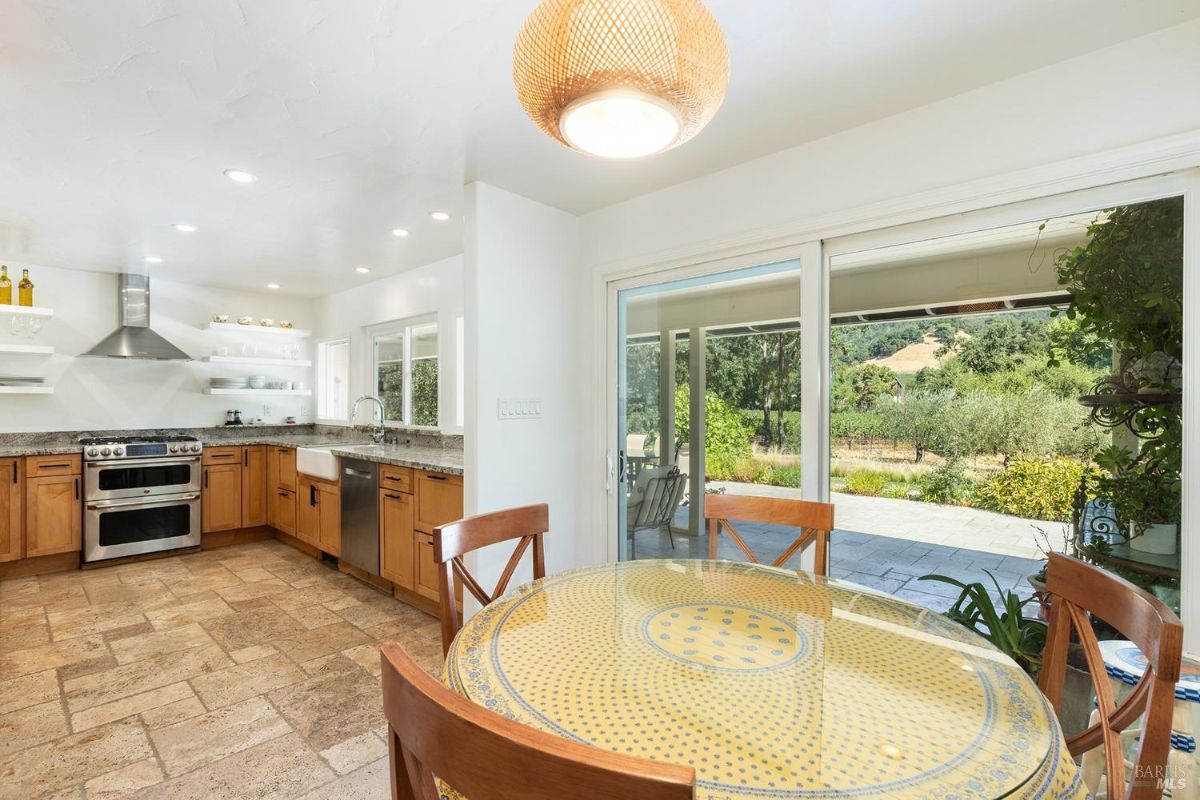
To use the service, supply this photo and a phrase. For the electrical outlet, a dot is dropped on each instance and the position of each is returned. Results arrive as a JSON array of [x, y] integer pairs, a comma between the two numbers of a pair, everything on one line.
[[519, 408]]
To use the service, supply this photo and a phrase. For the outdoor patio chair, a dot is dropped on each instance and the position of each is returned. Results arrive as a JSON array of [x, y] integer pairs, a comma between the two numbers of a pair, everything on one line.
[[1077, 592], [656, 494]]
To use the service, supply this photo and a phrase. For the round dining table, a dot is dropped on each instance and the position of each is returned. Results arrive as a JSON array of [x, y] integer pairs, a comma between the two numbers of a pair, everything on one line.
[[771, 683]]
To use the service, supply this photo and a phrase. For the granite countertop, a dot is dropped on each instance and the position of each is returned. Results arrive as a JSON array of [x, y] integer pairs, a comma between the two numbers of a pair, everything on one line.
[[447, 460]]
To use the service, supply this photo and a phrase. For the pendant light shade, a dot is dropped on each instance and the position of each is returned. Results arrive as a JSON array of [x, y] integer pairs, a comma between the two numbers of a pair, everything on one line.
[[621, 78]]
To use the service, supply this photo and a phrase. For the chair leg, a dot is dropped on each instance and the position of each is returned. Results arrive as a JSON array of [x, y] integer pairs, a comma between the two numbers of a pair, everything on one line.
[[671, 535], [1092, 767]]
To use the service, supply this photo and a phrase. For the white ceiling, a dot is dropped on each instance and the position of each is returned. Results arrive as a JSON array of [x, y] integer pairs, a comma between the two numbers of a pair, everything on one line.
[[118, 117]]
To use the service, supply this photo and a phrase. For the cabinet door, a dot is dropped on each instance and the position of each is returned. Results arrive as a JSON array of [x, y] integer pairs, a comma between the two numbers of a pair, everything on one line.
[[254, 486], [283, 474], [329, 518], [11, 533], [397, 547], [308, 522], [439, 500], [283, 510], [221, 498], [427, 574], [53, 515]]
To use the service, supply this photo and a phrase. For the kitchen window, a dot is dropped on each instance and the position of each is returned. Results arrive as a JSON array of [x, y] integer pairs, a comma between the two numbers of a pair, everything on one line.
[[405, 372], [333, 380]]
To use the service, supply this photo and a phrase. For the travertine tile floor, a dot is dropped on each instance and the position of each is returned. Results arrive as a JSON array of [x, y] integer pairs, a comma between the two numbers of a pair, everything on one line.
[[246, 672]]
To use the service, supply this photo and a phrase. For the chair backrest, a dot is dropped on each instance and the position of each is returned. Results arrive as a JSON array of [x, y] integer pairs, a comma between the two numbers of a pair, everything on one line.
[[814, 519], [480, 754], [1075, 589], [658, 495], [451, 541]]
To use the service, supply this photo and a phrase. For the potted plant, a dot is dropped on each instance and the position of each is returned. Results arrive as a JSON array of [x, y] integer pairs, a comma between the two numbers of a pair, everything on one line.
[[1146, 497]]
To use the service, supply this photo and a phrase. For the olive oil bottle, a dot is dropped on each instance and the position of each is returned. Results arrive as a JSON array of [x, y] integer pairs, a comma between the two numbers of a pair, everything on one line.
[[5, 286], [25, 289]]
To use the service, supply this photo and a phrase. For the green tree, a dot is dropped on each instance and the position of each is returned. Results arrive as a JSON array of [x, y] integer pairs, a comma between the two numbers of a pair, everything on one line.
[[726, 436]]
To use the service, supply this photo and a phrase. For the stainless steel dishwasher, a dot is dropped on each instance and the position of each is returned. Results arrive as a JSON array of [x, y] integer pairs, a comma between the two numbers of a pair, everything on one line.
[[360, 514]]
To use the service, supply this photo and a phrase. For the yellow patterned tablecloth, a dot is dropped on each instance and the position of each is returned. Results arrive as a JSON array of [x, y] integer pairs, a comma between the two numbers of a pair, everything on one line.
[[771, 683]]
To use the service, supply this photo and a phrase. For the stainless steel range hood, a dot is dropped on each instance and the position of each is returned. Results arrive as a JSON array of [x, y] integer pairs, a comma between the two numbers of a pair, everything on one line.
[[134, 339]]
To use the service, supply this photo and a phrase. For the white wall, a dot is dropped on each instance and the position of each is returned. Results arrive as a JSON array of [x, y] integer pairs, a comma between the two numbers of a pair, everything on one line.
[[520, 265], [97, 393], [434, 289]]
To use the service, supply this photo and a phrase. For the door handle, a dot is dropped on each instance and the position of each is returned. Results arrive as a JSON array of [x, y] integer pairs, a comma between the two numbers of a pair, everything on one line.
[[14, 470], [77, 488], [245, 456], [436, 477], [54, 466], [312, 495], [393, 497], [205, 479]]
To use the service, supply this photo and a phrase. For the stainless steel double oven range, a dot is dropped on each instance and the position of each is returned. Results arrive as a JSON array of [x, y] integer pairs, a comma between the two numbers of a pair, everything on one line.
[[141, 495]]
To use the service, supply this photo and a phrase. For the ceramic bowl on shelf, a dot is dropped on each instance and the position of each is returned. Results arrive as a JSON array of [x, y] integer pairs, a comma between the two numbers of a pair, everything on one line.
[[266, 322], [245, 320], [258, 381], [222, 318], [286, 324]]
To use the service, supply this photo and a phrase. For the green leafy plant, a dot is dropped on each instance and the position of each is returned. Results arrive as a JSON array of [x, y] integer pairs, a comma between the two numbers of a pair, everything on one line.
[[1005, 625], [726, 435], [947, 483], [865, 482], [1037, 489], [1142, 492]]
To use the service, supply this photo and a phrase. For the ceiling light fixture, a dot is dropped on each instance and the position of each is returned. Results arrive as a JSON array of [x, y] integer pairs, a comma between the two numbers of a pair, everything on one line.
[[440, 216], [399, 233], [272, 285], [362, 270], [618, 79], [153, 260], [185, 227], [240, 176]]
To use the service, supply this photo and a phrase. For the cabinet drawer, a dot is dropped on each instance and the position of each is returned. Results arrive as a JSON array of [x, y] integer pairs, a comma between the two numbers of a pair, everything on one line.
[[439, 499], [222, 455], [46, 466], [399, 479], [282, 504]]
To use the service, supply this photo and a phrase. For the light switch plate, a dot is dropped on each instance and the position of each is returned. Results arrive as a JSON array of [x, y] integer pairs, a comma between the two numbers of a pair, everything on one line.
[[518, 408]]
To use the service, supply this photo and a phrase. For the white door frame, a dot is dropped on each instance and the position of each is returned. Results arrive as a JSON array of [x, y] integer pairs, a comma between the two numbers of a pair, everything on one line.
[[877, 233]]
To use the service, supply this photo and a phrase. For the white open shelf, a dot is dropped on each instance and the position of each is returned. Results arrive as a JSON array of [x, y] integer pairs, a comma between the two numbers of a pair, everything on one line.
[[258, 362], [27, 311], [275, 392], [26, 390], [27, 349], [233, 327]]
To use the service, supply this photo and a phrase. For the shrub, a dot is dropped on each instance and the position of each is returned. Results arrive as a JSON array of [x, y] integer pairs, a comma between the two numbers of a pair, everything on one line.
[[866, 482], [1036, 489], [947, 483], [726, 436]]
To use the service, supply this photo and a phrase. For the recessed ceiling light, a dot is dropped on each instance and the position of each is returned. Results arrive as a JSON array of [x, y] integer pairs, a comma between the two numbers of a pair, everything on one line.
[[153, 260], [399, 232], [440, 216], [185, 227], [362, 270], [239, 176], [272, 285]]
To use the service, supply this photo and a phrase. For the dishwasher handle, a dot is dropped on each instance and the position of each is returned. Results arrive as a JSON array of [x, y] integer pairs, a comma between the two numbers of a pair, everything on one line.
[[358, 473]]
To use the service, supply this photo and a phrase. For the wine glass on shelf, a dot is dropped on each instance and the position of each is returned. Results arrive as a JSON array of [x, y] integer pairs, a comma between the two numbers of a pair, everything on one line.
[[34, 327], [18, 325]]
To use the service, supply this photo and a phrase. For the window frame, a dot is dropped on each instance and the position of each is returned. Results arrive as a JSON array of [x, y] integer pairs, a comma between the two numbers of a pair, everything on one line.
[[320, 367], [404, 329]]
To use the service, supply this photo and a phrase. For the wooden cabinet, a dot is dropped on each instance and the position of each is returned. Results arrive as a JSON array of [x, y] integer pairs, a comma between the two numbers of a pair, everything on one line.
[[397, 545], [222, 455], [398, 479], [53, 512], [281, 510], [281, 468], [319, 514], [221, 497], [427, 576], [439, 499], [12, 529], [47, 466], [254, 486]]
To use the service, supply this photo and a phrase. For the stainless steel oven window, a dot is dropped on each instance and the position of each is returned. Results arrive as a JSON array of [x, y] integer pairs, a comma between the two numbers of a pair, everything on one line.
[[141, 477]]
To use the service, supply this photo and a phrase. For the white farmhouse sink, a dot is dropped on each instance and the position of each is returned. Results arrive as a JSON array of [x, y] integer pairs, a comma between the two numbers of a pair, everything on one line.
[[318, 462]]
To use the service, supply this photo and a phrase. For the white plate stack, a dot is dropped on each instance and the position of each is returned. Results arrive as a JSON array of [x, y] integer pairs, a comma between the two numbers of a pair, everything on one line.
[[227, 383], [14, 380]]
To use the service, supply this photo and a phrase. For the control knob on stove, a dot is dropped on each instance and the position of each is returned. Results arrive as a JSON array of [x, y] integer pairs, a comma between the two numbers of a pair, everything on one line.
[[104, 451], [118, 451], [174, 448], [92, 451], [196, 448]]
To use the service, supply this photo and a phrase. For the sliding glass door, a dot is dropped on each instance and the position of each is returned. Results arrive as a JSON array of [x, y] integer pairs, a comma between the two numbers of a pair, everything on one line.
[[708, 401]]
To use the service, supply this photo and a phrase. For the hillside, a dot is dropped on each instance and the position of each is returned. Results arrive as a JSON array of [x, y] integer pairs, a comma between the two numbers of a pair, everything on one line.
[[911, 358]]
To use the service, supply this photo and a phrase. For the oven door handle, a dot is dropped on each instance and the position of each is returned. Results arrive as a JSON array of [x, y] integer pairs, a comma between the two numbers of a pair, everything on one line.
[[161, 500], [142, 462]]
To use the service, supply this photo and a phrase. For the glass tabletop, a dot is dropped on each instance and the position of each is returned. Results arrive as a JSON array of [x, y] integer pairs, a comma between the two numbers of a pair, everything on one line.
[[771, 683]]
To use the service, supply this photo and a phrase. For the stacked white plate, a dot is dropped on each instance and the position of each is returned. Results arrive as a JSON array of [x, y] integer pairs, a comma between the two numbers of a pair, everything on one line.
[[227, 383], [14, 380]]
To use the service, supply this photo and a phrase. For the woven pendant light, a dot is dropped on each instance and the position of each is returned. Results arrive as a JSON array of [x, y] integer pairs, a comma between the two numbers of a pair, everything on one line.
[[621, 78]]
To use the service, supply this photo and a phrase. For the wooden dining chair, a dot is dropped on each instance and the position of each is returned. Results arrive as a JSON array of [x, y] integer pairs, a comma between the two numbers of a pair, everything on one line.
[[1076, 590], [453, 540], [814, 519], [483, 755]]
